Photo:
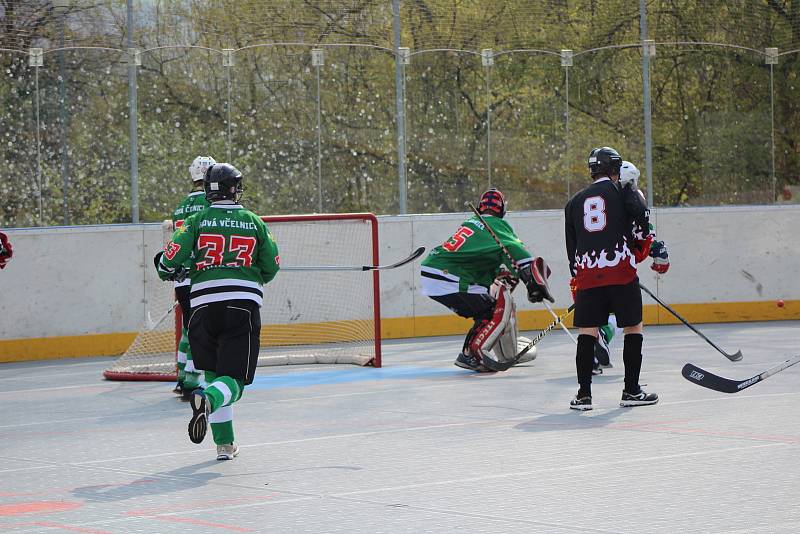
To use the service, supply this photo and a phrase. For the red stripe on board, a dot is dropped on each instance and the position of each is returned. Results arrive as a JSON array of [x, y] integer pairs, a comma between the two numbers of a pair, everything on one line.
[[37, 507]]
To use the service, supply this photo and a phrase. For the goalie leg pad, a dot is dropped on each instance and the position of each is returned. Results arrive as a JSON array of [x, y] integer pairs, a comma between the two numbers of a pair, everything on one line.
[[499, 333]]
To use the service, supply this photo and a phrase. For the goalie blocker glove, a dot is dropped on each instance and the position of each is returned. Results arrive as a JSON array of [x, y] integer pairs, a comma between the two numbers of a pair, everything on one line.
[[658, 251], [167, 273], [534, 275]]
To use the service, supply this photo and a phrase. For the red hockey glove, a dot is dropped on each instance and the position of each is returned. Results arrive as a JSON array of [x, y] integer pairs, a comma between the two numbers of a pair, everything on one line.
[[573, 287], [642, 248], [6, 252], [660, 257]]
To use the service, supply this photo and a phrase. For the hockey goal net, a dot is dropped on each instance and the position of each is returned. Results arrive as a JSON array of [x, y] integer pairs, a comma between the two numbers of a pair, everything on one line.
[[319, 316]]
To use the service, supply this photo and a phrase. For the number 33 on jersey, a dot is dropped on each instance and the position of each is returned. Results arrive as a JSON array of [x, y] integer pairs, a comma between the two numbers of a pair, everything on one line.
[[233, 252]]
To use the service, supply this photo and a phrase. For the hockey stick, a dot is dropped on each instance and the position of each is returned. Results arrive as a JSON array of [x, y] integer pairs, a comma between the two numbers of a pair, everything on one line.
[[735, 357], [160, 319], [506, 366], [692, 373], [560, 323], [413, 256]]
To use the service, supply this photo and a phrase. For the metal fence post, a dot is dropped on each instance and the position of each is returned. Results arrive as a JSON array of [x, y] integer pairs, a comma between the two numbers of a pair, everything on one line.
[[487, 59], [402, 57], [36, 60], [566, 62], [648, 48], [228, 62], [317, 60], [771, 59], [134, 125]]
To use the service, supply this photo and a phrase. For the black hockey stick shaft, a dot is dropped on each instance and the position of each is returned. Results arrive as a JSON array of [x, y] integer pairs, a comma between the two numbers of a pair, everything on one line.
[[735, 357], [413, 256], [701, 377]]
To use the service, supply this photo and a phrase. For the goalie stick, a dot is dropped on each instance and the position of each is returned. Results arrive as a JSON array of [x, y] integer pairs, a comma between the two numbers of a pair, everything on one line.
[[413, 256], [701, 377], [735, 357]]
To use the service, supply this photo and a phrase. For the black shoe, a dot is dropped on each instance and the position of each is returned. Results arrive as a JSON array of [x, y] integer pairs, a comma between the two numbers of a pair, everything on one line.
[[639, 399], [581, 403], [201, 409], [186, 396], [178, 388], [597, 369], [468, 362]]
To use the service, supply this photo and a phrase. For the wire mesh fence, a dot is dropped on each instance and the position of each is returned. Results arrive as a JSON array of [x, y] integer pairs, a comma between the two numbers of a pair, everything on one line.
[[391, 106]]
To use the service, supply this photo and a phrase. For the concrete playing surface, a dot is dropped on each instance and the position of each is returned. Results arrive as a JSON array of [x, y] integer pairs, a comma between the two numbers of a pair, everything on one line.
[[417, 446]]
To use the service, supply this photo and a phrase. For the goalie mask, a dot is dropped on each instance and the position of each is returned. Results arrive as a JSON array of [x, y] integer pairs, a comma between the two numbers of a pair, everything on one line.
[[492, 202], [629, 174], [223, 181], [199, 166], [604, 161]]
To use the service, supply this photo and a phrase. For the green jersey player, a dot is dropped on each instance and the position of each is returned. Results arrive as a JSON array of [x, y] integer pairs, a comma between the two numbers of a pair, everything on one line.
[[188, 377], [463, 272], [232, 255]]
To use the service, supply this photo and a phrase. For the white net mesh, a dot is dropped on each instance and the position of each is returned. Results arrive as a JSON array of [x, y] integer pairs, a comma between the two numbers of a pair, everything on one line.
[[308, 317]]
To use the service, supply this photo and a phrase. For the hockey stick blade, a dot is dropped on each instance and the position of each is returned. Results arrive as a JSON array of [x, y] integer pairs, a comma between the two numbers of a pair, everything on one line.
[[413, 256], [735, 357], [497, 366], [701, 377]]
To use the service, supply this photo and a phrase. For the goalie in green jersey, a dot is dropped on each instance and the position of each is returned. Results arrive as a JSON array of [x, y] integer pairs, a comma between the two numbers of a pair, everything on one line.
[[473, 276], [188, 376], [233, 254]]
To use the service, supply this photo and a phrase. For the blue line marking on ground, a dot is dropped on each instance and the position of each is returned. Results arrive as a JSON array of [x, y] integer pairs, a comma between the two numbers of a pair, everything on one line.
[[360, 374]]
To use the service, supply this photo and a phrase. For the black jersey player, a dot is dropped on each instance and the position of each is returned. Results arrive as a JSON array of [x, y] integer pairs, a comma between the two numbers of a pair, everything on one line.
[[603, 224]]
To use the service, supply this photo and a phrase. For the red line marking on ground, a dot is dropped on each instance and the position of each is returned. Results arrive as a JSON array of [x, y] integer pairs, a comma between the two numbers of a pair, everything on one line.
[[200, 523], [37, 507], [50, 524]]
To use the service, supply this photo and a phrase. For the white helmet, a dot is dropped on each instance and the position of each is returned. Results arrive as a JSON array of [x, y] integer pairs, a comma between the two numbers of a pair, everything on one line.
[[628, 173], [199, 167]]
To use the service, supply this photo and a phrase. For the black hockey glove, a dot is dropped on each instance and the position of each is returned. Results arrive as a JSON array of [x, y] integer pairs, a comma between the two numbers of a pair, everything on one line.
[[168, 273], [534, 276]]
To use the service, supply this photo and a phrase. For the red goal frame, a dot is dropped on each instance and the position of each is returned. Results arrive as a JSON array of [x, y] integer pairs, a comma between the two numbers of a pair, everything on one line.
[[376, 286]]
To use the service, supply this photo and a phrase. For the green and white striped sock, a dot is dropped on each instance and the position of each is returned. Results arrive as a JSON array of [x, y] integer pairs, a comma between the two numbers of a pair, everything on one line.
[[222, 425]]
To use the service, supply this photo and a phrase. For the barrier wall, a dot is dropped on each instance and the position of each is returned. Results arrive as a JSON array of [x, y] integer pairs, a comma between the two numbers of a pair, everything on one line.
[[73, 291]]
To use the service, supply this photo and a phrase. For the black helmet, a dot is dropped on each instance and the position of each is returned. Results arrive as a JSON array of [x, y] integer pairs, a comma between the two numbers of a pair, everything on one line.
[[222, 181], [604, 161]]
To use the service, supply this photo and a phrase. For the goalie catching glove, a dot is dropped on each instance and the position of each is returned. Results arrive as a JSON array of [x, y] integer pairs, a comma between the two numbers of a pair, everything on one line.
[[167, 273], [658, 251], [534, 275]]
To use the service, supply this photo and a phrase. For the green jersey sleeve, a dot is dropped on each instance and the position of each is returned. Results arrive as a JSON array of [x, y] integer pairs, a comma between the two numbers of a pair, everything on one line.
[[268, 258], [179, 250]]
